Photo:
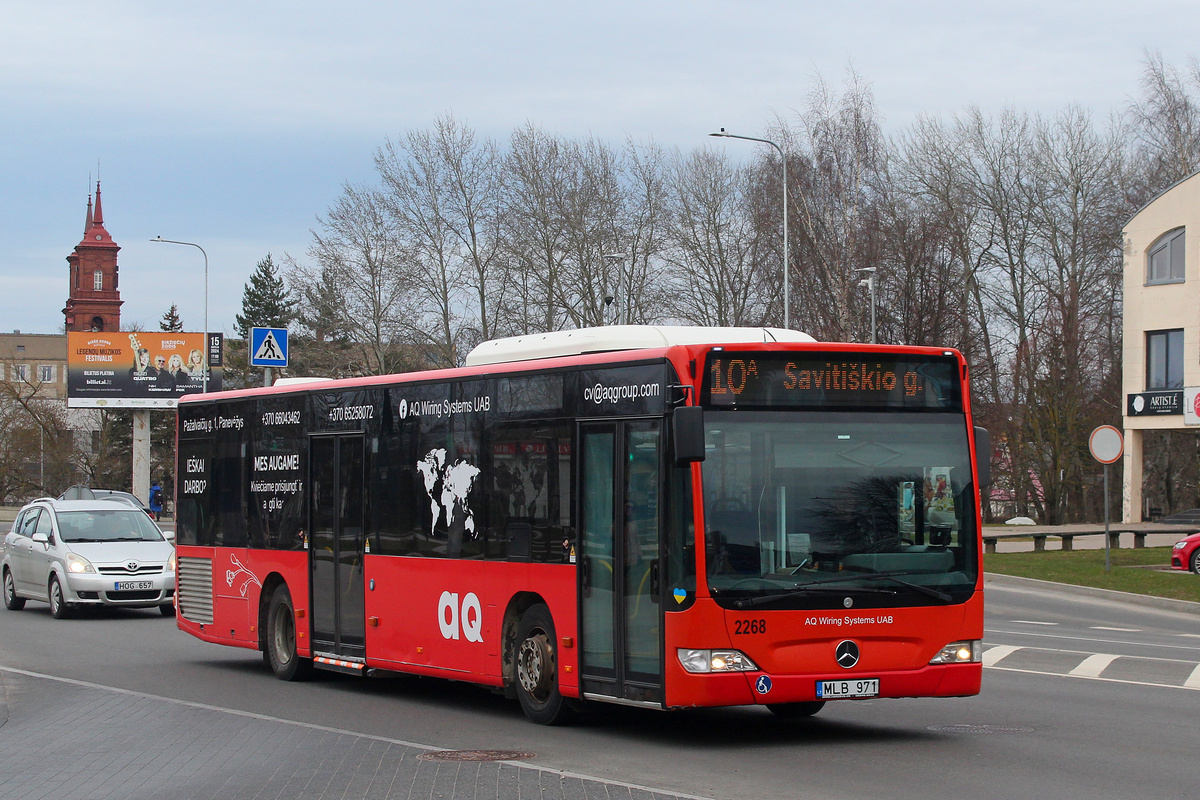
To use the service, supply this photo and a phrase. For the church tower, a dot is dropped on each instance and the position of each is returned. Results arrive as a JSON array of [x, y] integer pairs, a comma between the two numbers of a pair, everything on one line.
[[94, 303]]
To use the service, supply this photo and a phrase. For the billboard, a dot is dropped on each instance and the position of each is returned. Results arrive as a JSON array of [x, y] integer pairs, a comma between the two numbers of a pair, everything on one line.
[[140, 369]]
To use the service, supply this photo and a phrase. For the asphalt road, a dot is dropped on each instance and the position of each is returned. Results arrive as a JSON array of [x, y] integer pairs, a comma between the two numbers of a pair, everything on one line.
[[1082, 698]]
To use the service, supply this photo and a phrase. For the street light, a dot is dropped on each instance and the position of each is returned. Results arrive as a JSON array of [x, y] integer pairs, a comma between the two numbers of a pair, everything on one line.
[[787, 317], [869, 283], [619, 297], [161, 240]]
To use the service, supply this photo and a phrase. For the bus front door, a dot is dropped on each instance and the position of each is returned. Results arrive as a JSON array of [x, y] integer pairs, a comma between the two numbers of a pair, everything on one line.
[[337, 544], [621, 616]]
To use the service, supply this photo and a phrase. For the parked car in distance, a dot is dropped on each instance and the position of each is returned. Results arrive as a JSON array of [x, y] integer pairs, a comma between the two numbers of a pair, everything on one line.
[[85, 493], [1186, 553], [72, 553]]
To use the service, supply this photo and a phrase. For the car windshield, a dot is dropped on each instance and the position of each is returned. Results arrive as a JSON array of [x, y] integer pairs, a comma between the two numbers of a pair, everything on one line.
[[875, 504], [118, 525]]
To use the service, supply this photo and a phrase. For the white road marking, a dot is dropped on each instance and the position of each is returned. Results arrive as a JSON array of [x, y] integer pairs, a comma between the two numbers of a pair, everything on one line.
[[1031, 622], [1094, 640], [1193, 681], [1118, 630], [1189, 635], [994, 654], [1094, 678], [1093, 666]]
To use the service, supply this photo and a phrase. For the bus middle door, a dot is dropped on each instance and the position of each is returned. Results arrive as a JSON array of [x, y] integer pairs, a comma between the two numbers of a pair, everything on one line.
[[337, 544], [621, 512]]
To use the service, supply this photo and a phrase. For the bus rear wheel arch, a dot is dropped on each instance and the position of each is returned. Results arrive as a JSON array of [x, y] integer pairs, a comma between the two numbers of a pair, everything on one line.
[[536, 667], [280, 651]]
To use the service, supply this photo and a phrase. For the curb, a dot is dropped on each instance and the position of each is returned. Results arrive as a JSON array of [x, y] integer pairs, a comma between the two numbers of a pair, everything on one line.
[[1183, 606]]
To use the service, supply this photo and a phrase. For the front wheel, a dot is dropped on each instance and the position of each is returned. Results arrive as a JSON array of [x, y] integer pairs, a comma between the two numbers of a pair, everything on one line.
[[1195, 565], [59, 607], [281, 639], [11, 601], [167, 609], [537, 669], [795, 710]]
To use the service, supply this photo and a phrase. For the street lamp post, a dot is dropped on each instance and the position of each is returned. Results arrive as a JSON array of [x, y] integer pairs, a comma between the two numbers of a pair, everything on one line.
[[869, 283], [619, 295], [787, 317], [201, 249]]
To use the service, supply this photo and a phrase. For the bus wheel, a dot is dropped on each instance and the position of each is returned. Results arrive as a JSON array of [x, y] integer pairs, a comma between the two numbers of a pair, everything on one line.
[[795, 710], [281, 639], [537, 669]]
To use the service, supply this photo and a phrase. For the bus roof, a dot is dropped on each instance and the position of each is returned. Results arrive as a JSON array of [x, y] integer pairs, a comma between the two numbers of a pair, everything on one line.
[[619, 337]]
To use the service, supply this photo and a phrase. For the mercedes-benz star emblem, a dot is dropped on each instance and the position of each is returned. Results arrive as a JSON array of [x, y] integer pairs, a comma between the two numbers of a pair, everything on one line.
[[846, 654]]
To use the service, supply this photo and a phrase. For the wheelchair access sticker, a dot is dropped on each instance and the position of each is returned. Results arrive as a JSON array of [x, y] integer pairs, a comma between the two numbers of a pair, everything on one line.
[[763, 685]]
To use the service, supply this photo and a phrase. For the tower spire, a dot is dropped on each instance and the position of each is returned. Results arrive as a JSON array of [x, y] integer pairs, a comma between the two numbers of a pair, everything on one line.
[[87, 223], [98, 219]]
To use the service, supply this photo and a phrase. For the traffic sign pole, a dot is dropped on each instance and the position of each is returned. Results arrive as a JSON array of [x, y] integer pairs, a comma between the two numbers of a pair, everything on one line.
[[1106, 446]]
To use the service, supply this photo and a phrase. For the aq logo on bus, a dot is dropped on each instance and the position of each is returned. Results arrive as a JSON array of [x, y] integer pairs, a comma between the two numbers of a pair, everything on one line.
[[466, 618]]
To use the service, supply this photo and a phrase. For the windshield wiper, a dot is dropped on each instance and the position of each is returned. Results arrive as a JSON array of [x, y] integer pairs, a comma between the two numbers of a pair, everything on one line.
[[821, 586]]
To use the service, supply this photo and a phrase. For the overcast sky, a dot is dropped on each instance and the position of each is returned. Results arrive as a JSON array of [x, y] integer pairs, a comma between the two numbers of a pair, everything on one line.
[[234, 124]]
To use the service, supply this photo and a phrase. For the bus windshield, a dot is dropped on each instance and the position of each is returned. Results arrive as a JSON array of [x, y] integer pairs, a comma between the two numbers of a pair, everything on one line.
[[878, 505]]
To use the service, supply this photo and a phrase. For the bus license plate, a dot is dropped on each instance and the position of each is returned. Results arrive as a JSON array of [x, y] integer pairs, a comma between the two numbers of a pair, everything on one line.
[[133, 586], [836, 690]]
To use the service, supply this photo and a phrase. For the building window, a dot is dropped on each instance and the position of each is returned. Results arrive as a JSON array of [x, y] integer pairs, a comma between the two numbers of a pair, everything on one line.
[[21, 372], [1164, 359], [46, 373], [98, 281], [1165, 258]]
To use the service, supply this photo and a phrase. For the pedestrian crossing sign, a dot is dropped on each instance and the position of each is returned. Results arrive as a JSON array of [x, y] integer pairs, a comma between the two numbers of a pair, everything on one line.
[[268, 347]]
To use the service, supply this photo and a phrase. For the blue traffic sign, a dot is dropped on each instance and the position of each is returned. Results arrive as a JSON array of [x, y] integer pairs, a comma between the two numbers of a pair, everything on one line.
[[268, 347]]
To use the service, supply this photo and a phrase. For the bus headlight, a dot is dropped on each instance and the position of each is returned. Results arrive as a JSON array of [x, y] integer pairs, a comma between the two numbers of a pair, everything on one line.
[[969, 652], [700, 661], [79, 564]]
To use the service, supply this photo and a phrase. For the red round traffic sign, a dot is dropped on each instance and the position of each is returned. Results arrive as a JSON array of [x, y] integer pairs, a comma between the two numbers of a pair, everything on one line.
[[1106, 444]]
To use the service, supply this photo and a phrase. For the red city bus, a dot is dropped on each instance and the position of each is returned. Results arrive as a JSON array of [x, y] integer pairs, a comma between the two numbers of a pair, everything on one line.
[[651, 516]]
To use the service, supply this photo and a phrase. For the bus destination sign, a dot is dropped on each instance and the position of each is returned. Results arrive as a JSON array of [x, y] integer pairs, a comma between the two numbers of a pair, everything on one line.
[[830, 380]]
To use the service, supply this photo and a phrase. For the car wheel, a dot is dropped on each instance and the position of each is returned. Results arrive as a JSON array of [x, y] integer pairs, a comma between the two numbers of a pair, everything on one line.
[[537, 669], [11, 601], [167, 609], [1195, 561], [795, 710], [59, 607], [281, 639]]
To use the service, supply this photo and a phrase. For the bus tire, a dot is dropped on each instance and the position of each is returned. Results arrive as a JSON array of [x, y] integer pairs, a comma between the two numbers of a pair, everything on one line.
[[537, 669], [281, 639], [795, 710]]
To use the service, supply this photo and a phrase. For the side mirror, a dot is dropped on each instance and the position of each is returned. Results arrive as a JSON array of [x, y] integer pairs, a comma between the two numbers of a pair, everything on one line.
[[688, 434], [41, 538], [168, 534], [983, 457]]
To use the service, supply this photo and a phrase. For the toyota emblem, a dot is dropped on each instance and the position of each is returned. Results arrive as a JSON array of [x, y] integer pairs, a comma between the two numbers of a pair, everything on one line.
[[132, 566], [846, 654]]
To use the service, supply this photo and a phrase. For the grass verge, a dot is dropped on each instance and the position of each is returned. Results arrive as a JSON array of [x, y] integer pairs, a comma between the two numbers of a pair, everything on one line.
[[1131, 570]]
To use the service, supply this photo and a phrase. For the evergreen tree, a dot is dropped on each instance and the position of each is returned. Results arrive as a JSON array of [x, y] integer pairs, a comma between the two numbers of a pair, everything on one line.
[[266, 301], [170, 322]]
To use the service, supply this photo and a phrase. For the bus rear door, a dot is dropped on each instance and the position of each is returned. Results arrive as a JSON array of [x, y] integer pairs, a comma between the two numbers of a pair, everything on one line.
[[337, 545]]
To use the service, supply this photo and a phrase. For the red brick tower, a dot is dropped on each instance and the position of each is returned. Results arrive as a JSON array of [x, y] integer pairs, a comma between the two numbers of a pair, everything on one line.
[[94, 303]]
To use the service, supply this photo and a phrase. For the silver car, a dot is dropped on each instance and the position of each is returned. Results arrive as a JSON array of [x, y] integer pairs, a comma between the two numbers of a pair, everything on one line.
[[71, 553]]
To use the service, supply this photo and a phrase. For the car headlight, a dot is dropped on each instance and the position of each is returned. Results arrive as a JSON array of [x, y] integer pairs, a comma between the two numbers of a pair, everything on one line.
[[1180, 545], [969, 652], [171, 563], [79, 564], [701, 661]]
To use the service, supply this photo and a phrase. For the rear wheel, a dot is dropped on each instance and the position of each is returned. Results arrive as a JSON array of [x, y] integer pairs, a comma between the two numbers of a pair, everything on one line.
[[795, 710], [537, 669], [1195, 562], [59, 607], [281, 639], [11, 601]]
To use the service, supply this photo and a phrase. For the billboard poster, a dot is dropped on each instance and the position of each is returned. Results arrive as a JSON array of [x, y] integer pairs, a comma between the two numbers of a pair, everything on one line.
[[139, 369]]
